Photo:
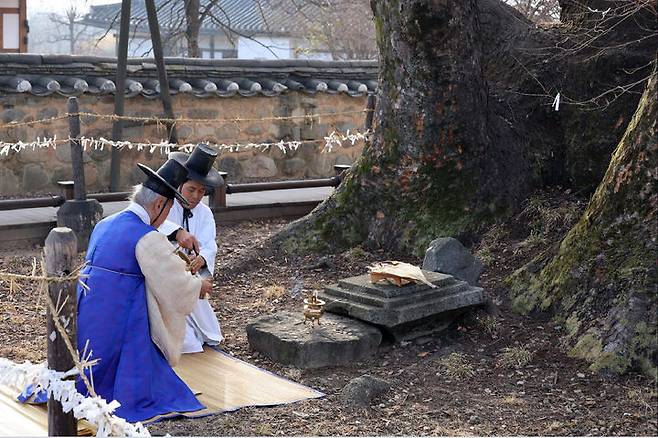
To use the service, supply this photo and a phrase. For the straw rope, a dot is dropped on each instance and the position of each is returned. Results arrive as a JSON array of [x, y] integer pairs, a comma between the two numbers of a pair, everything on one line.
[[182, 120]]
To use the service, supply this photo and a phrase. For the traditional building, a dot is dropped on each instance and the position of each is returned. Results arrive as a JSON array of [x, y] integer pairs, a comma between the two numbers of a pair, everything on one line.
[[238, 29]]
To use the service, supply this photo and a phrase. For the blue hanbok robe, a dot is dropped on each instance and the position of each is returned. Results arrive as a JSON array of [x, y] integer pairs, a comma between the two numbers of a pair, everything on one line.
[[113, 318]]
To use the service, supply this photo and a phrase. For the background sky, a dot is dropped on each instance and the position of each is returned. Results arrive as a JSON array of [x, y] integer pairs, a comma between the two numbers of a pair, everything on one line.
[[34, 6]]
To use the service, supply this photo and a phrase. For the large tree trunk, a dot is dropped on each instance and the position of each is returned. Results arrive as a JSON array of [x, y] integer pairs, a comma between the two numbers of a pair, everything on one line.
[[440, 163], [603, 280], [464, 128]]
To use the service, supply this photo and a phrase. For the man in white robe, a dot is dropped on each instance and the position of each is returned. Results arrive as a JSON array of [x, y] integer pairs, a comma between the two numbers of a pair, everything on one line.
[[195, 229]]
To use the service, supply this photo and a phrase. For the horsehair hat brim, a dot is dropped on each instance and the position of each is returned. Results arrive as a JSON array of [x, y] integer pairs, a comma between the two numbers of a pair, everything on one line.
[[212, 179], [160, 185]]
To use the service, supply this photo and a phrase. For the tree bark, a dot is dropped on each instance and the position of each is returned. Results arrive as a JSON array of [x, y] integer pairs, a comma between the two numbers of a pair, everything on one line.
[[192, 29], [602, 281], [465, 130], [437, 164]]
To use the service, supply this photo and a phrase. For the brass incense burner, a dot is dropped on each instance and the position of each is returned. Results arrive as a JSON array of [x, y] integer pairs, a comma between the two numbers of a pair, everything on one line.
[[313, 309]]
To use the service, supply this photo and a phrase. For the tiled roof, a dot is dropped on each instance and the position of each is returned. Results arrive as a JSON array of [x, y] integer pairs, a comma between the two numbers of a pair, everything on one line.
[[43, 75], [248, 17]]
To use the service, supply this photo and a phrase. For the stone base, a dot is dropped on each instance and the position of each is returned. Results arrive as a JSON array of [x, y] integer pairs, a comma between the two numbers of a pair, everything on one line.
[[285, 339], [81, 217], [423, 327], [403, 312]]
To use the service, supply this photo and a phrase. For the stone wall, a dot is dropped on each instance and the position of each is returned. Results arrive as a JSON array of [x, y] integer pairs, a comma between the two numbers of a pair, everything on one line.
[[36, 172]]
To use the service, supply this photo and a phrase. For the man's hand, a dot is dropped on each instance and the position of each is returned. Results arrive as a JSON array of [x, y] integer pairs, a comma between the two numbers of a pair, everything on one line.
[[206, 288], [197, 263], [187, 241]]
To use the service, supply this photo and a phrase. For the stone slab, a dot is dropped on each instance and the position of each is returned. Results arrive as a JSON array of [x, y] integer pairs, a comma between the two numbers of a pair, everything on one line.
[[399, 309], [337, 341]]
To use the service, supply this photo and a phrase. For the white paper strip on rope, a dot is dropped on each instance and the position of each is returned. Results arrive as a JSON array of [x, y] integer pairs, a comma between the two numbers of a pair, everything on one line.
[[330, 141], [95, 410]]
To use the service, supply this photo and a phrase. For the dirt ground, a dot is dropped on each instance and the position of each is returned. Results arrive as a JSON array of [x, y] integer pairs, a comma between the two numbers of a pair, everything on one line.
[[489, 374]]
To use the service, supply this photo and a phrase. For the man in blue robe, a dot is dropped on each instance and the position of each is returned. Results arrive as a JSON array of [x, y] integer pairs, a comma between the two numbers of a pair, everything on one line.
[[132, 317]]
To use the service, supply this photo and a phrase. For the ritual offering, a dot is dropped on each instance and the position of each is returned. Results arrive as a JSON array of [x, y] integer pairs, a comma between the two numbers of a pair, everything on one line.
[[397, 273]]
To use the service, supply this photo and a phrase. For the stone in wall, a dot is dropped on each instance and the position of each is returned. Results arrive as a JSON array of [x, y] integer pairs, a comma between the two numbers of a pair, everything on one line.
[[47, 113], [15, 134], [232, 167], [91, 176], [34, 178], [320, 166], [203, 113], [64, 173], [260, 166], [28, 156], [254, 130], [12, 115], [294, 167], [314, 131], [134, 133], [100, 154], [343, 160], [185, 133], [9, 183], [88, 120], [63, 154], [227, 133]]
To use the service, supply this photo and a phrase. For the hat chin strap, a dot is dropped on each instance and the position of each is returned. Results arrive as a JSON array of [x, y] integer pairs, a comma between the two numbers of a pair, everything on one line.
[[161, 210]]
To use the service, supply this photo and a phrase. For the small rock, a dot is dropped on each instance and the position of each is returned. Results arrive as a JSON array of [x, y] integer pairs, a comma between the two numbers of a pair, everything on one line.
[[363, 390], [449, 256], [581, 375], [260, 166], [474, 419]]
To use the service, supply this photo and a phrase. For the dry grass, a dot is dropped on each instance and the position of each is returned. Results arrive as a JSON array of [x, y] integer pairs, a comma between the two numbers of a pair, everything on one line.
[[456, 365], [646, 398], [489, 324], [274, 292], [264, 429], [490, 240], [511, 400], [516, 357]]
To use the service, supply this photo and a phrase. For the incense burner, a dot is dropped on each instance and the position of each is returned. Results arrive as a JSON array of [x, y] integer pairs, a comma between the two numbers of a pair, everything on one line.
[[313, 309]]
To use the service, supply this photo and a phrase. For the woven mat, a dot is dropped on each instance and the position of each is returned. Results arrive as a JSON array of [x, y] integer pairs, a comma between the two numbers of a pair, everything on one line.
[[222, 382]]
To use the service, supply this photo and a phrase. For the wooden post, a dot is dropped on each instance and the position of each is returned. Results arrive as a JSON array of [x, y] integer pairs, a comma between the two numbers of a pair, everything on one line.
[[156, 41], [120, 94], [218, 196], [60, 252], [79, 189]]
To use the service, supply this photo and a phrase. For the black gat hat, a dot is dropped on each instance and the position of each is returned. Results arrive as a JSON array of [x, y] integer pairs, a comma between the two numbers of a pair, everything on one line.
[[166, 180], [199, 165]]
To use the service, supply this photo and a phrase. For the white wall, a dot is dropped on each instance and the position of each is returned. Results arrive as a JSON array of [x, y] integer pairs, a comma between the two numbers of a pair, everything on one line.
[[264, 48]]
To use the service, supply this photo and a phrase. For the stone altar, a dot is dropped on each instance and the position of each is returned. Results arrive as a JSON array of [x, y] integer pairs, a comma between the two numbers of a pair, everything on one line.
[[403, 312]]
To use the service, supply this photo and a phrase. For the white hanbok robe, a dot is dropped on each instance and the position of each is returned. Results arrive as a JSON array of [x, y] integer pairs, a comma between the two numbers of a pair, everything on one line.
[[202, 324]]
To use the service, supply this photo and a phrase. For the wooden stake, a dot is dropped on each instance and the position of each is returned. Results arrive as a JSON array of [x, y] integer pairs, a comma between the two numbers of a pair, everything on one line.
[[60, 252], [79, 189]]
